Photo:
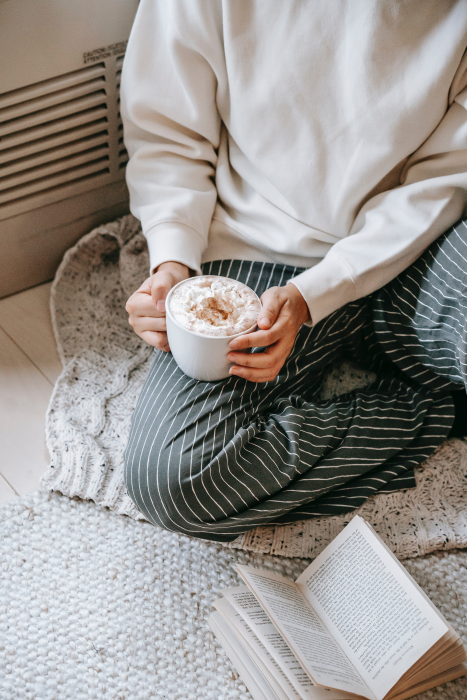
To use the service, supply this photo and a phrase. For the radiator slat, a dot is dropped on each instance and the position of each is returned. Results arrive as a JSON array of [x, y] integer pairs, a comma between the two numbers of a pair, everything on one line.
[[53, 181], [62, 165], [51, 114], [48, 142], [15, 97], [55, 98], [53, 154], [37, 132]]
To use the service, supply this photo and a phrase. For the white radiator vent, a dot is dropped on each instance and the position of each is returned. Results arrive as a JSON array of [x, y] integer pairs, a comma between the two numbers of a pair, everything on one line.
[[59, 134], [62, 154]]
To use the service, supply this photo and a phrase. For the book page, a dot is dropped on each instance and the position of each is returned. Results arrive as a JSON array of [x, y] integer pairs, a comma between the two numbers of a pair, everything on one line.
[[250, 675], [370, 605], [309, 639], [258, 651], [244, 604]]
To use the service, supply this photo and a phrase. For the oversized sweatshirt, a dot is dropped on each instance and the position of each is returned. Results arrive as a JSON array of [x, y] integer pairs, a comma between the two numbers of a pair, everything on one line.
[[324, 134]]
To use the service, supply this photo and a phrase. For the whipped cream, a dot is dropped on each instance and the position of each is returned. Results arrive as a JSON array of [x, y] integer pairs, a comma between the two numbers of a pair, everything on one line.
[[216, 306]]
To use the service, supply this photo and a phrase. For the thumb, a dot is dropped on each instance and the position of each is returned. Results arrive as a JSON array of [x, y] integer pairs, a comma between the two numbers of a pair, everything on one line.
[[161, 284], [271, 306]]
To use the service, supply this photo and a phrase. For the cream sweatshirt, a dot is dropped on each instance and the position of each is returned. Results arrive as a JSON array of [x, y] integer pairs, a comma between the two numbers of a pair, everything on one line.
[[325, 134]]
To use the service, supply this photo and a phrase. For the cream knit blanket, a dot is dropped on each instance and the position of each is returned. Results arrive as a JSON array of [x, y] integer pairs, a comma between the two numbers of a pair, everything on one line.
[[105, 365]]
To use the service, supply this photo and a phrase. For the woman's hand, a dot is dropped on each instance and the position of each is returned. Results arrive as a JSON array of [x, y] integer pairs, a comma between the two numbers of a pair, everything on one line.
[[283, 313], [146, 306]]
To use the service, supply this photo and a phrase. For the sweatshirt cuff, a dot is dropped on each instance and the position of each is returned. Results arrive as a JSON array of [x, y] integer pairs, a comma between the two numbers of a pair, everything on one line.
[[172, 241], [326, 287]]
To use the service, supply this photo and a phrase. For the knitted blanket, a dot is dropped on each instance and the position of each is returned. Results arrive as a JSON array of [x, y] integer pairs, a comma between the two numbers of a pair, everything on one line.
[[105, 365]]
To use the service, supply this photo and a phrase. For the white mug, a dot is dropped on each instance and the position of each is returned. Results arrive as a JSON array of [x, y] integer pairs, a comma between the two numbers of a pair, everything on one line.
[[200, 356]]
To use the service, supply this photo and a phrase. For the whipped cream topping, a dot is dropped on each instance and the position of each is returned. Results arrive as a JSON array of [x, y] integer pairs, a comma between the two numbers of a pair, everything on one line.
[[214, 305]]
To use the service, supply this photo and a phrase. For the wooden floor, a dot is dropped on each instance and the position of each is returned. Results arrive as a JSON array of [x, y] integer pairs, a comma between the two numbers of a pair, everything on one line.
[[29, 366]]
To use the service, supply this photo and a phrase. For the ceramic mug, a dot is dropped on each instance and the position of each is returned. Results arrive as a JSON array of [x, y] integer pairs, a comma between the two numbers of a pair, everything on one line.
[[200, 356]]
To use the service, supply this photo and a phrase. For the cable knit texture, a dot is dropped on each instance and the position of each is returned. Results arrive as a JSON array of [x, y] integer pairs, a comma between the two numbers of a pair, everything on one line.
[[105, 365]]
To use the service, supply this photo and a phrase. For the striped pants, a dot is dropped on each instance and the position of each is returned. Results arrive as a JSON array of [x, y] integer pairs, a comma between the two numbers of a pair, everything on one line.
[[213, 460]]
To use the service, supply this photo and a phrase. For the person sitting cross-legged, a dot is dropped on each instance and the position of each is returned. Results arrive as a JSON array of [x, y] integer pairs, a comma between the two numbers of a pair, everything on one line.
[[316, 152]]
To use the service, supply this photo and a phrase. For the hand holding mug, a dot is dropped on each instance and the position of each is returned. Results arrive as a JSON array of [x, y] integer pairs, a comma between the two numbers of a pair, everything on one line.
[[283, 313], [146, 307]]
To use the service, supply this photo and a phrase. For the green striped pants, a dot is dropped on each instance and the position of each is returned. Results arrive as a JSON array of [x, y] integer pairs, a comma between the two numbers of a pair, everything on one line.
[[215, 459]]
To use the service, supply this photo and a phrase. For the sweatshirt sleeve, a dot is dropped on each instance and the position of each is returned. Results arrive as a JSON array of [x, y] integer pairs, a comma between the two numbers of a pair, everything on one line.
[[172, 126], [395, 227]]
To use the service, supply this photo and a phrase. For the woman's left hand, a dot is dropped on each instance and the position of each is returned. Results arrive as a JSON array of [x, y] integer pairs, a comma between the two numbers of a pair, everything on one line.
[[283, 313]]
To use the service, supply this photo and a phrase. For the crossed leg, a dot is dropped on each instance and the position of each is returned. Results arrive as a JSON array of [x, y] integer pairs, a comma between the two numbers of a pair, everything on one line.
[[213, 460]]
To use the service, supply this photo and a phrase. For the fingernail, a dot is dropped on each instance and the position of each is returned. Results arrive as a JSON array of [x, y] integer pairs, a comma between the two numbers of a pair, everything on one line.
[[160, 306]]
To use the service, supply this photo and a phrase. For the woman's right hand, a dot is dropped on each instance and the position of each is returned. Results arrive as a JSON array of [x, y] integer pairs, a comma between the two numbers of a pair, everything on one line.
[[146, 306]]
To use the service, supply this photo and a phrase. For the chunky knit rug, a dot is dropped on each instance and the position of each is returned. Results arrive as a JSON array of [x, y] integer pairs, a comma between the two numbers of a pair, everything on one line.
[[105, 365], [95, 606]]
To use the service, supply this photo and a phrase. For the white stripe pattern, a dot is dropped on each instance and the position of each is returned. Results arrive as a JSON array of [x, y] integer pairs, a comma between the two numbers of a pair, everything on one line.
[[213, 460]]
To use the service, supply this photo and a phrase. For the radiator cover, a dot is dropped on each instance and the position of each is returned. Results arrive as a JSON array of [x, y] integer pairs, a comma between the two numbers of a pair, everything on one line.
[[62, 157]]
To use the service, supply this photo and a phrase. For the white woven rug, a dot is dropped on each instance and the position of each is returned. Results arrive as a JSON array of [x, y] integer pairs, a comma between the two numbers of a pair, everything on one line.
[[105, 365], [94, 606]]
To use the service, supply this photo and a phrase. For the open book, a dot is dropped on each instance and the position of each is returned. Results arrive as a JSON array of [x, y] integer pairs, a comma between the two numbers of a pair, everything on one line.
[[354, 623]]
